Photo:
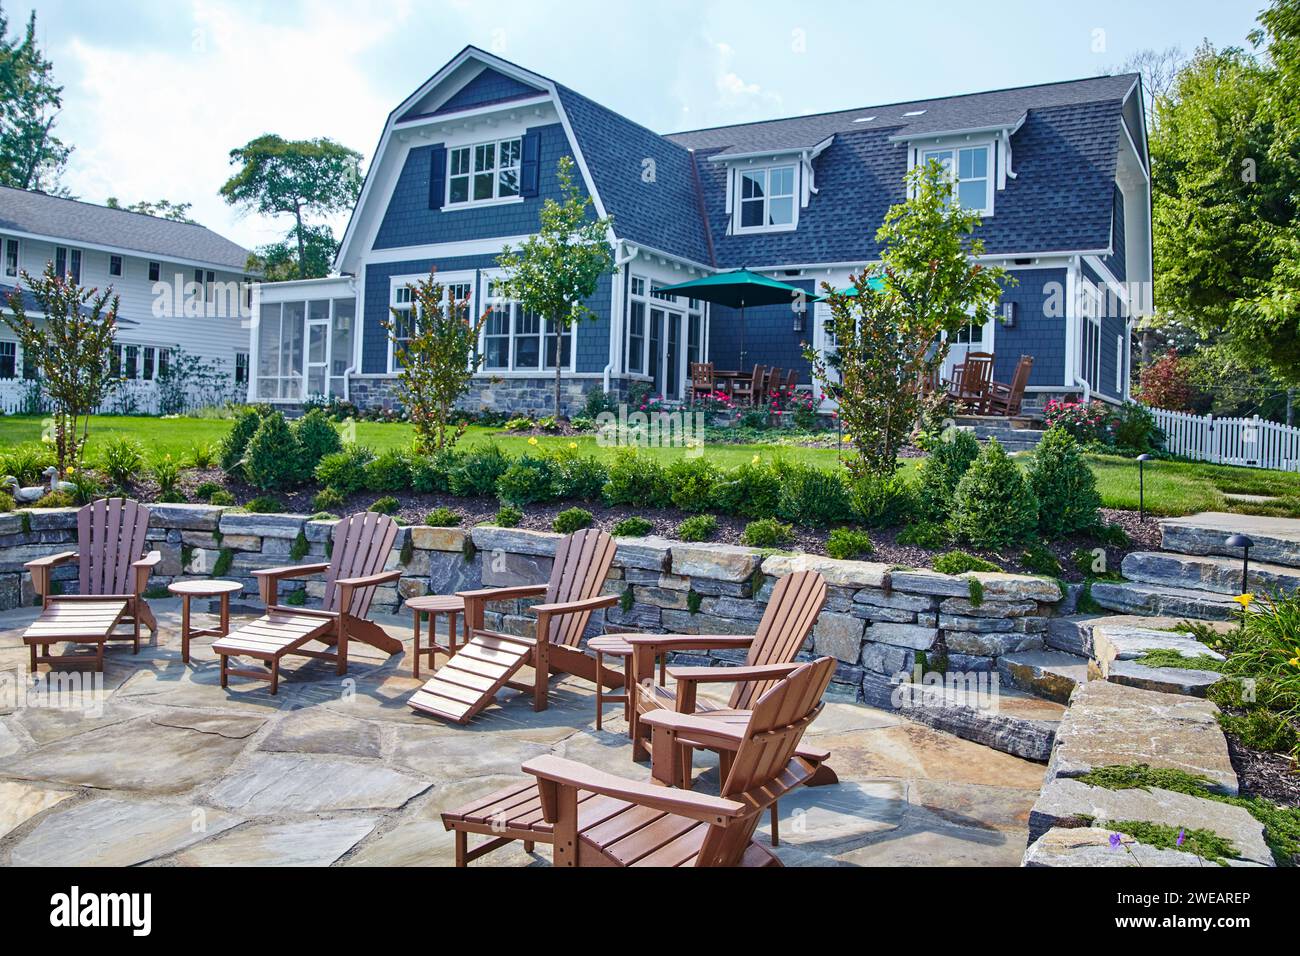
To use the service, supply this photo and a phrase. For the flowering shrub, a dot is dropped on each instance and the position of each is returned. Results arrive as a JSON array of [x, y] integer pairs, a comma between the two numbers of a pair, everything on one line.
[[714, 402], [1091, 422], [800, 406]]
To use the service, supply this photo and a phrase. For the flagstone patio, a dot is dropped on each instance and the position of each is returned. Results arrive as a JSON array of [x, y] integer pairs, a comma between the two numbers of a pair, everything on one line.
[[167, 768]]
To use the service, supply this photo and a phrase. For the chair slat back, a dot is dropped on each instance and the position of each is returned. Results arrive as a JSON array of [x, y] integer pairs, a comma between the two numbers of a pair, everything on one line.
[[792, 380], [361, 545], [791, 613], [774, 382], [110, 537], [582, 562], [777, 725], [702, 375], [1021, 379], [977, 372]]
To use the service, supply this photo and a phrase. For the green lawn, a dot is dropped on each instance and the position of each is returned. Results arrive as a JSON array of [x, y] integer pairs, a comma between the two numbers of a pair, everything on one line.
[[1172, 488]]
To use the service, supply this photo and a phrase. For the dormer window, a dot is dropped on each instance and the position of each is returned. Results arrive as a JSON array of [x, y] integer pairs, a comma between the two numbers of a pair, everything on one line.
[[766, 199], [485, 172], [970, 168]]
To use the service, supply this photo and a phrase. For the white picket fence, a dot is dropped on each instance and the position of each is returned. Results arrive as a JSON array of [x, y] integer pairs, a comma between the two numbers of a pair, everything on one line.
[[128, 398], [1253, 442]]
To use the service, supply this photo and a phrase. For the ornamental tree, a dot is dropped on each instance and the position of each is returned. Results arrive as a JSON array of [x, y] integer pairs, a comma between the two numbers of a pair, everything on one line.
[[1166, 383], [555, 271], [889, 343], [71, 346], [435, 345]]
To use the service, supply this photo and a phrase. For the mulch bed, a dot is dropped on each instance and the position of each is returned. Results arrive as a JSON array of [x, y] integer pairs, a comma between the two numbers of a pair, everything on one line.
[[1261, 774]]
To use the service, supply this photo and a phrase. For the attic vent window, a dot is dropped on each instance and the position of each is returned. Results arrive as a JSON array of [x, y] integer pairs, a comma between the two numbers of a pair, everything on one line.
[[914, 112], [864, 119]]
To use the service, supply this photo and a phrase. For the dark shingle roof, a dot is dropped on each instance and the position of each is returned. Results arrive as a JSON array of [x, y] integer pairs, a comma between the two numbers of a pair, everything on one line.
[[76, 221], [945, 114]]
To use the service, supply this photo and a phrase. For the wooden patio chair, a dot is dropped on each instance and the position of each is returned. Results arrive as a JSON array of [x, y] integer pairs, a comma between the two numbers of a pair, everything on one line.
[[791, 381], [773, 385], [971, 379], [1005, 399], [701, 379], [639, 824], [516, 813], [750, 389], [361, 547], [469, 681], [112, 571]]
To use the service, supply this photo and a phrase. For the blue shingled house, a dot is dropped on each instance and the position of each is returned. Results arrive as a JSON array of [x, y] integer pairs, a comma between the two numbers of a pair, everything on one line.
[[1059, 173]]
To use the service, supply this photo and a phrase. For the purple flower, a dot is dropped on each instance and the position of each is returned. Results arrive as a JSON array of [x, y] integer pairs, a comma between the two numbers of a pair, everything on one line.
[[1181, 835], [1114, 841]]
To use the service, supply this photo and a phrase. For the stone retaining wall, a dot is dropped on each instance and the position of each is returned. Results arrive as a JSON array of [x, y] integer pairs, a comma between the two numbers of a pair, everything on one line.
[[877, 622]]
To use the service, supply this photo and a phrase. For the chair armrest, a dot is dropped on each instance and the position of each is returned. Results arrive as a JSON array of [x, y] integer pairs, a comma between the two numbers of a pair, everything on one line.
[[503, 594], [40, 569], [369, 580], [553, 773], [143, 568], [50, 560], [697, 727], [268, 579], [731, 675], [575, 607]]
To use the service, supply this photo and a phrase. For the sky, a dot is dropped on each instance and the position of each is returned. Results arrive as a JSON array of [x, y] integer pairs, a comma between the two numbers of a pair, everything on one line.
[[157, 92]]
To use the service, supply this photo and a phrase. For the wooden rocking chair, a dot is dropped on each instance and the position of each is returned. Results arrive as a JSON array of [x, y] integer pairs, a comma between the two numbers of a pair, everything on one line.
[[469, 681], [361, 546], [640, 824], [113, 569], [1006, 399]]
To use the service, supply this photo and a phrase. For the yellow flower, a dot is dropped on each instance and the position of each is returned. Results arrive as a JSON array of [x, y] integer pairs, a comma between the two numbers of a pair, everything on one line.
[[1244, 600], [756, 459], [1295, 661], [533, 440], [573, 444], [848, 439]]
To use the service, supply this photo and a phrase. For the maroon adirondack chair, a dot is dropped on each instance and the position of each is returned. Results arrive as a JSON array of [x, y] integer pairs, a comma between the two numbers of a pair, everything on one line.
[[113, 569], [361, 545]]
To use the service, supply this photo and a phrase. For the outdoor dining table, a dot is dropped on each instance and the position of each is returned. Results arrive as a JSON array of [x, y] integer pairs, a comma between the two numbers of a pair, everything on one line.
[[724, 380]]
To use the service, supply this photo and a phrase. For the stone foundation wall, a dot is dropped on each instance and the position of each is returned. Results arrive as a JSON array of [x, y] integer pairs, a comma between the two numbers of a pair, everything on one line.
[[486, 393], [877, 622]]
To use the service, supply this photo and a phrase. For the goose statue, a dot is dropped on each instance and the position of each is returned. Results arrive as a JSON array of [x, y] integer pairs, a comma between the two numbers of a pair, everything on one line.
[[52, 474], [24, 496]]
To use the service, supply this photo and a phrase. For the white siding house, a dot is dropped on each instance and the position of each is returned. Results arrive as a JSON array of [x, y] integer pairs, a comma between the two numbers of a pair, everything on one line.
[[183, 288]]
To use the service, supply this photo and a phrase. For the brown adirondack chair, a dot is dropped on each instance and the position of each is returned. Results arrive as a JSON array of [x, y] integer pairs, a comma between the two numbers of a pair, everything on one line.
[[639, 824], [1005, 399], [516, 812], [790, 614], [113, 569], [470, 680], [772, 387], [361, 545]]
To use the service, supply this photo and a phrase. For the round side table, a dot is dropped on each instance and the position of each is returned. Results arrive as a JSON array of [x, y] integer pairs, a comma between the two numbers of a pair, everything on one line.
[[433, 605], [209, 589], [613, 646]]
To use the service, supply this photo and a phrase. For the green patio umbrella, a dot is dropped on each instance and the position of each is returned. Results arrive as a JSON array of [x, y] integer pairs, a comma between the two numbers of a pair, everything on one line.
[[875, 284], [737, 289]]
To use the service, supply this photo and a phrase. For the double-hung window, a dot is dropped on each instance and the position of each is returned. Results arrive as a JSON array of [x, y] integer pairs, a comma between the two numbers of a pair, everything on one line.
[[68, 262], [969, 169], [516, 340], [766, 199], [484, 172], [11, 257], [115, 265], [8, 359], [456, 301]]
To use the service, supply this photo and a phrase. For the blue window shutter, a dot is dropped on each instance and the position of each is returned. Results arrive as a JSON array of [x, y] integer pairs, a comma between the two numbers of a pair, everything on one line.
[[437, 176], [531, 165]]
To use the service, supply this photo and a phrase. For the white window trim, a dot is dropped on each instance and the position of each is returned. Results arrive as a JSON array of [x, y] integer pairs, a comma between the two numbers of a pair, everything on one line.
[[489, 300], [991, 186], [18, 256], [683, 305], [69, 251], [738, 203], [121, 265], [496, 200]]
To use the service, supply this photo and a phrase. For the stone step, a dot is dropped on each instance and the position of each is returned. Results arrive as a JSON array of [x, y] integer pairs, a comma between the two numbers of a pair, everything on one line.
[[1276, 540], [1221, 575], [1009, 720], [1050, 674], [1165, 680], [1130, 597]]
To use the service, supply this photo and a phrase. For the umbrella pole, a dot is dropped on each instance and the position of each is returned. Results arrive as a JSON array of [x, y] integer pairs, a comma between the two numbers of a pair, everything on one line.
[[742, 335]]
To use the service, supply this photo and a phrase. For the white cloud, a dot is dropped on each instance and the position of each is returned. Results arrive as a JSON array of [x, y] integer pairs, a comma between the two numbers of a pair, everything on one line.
[[734, 92], [160, 123]]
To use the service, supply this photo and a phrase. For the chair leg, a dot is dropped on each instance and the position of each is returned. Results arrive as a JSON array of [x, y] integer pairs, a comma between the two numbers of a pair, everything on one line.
[[528, 846], [776, 836], [462, 846], [224, 675], [275, 675]]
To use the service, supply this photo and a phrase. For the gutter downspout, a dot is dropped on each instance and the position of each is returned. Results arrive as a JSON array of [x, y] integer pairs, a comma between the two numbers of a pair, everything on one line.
[[616, 324], [356, 334], [1075, 298]]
